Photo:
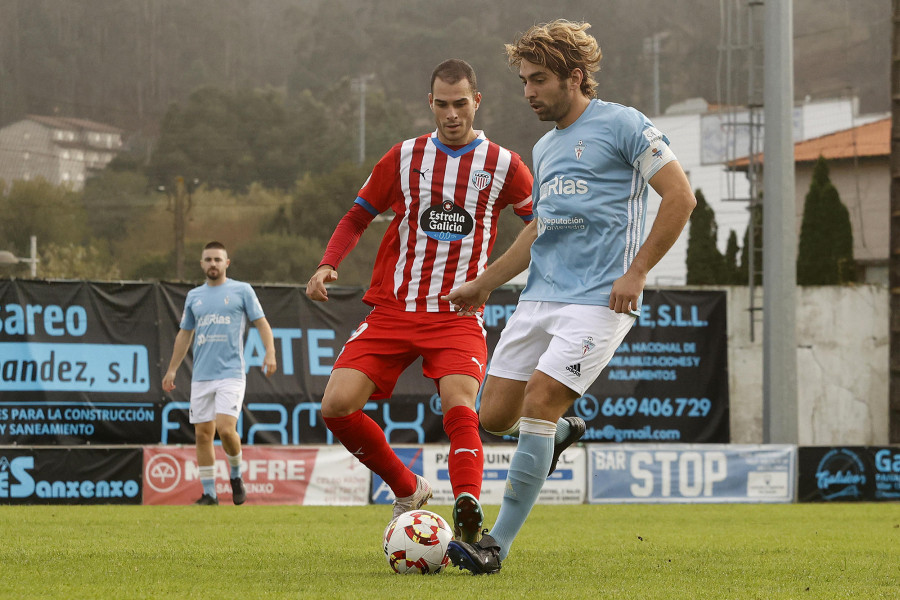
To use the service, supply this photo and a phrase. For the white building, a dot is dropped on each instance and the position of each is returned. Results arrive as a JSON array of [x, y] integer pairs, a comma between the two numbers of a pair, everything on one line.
[[62, 150], [704, 139]]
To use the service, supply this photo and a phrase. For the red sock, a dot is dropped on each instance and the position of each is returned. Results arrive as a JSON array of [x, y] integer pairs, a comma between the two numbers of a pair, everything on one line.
[[466, 463], [365, 440]]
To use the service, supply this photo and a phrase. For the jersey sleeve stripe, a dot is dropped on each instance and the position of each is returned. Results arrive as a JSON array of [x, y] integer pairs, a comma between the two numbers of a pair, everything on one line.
[[371, 209]]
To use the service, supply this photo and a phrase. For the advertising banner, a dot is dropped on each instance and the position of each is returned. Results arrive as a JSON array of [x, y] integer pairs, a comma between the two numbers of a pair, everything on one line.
[[690, 473], [82, 363], [272, 475], [668, 381], [70, 475], [565, 486], [78, 362], [849, 473]]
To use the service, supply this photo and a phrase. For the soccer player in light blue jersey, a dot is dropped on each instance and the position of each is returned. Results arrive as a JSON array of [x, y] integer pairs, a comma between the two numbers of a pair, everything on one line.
[[215, 317], [588, 265]]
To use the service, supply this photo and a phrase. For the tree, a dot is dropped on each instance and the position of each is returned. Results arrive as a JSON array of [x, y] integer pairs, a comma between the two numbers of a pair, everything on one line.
[[228, 140], [753, 225], [53, 213], [731, 271], [825, 255], [275, 258], [705, 264], [321, 200], [114, 199], [73, 261]]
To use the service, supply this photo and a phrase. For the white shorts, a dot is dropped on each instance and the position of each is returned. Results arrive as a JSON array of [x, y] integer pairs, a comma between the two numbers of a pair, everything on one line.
[[571, 343], [216, 397]]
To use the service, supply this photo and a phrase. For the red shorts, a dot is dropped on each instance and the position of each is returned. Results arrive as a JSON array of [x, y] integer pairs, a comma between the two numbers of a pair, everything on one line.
[[389, 340]]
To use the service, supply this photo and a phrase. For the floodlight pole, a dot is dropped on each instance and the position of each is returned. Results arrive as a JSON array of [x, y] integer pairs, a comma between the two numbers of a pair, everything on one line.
[[780, 419], [33, 261]]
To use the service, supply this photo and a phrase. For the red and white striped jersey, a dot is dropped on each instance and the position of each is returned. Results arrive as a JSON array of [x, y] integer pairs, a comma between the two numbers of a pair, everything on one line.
[[446, 203]]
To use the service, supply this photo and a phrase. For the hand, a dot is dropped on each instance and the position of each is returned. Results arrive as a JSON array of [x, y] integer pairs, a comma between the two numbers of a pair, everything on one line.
[[269, 364], [315, 287], [625, 292], [168, 382], [467, 299]]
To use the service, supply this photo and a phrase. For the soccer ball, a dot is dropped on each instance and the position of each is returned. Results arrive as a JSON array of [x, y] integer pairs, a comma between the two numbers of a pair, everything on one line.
[[416, 542]]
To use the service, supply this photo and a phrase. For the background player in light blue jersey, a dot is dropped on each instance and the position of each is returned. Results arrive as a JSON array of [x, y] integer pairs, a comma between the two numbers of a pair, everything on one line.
[[215, 318], [588, 266]]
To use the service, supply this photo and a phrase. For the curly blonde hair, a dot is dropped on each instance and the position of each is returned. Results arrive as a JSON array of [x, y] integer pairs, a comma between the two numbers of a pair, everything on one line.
[[561, 46]]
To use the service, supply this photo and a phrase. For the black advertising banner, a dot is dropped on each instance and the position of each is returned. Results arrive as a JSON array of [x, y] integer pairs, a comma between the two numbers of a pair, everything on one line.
[[668, 381], [78, 362], [848, 473], [70, 475], [82, 363]]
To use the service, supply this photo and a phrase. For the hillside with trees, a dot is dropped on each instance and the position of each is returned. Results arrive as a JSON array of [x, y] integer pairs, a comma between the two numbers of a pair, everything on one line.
[[255, 106]]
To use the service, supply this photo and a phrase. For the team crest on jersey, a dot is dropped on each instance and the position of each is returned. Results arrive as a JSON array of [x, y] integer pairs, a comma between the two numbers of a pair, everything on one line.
[[579, 148], [481, 179]]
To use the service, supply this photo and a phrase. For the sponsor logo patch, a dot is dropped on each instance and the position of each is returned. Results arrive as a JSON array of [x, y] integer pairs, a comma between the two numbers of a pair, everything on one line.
[[446, 222]]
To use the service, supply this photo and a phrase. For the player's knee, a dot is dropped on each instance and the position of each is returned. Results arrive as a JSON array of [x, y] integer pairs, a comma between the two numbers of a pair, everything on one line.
[[204, 436], [227, 432], [451, 402], [335, 407], [494, 421]]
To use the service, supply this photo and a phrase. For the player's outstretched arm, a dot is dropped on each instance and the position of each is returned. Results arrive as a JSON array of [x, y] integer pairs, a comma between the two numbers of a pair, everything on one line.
[[315, 287], [471, 296], [347, 233], [182, 344], [270, 365], [675, 209]]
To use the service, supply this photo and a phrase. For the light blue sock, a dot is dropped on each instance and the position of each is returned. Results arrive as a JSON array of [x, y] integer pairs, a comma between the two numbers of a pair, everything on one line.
[[527, 474], [235, 463], [209, 487], [208, 480]]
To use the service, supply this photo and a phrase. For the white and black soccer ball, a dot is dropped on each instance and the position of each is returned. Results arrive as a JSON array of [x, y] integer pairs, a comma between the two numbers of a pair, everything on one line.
[[416, 542]]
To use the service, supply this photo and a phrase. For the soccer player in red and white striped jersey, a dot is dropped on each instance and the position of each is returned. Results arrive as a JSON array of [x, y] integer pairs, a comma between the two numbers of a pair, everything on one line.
[[446, 190]]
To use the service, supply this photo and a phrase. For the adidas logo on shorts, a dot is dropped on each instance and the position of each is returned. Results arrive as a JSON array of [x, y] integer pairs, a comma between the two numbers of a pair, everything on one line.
[[574, 369]]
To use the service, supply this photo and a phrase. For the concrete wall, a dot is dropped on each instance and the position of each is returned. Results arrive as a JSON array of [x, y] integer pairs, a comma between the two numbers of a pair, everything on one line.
[[842, 366]]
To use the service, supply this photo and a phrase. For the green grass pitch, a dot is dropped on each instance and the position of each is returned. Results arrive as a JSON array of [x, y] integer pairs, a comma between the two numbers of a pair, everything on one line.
[[690, 552]]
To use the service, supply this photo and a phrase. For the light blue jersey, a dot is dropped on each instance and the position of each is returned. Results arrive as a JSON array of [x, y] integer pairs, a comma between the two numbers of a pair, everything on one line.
[[590, 194], [219, 316]]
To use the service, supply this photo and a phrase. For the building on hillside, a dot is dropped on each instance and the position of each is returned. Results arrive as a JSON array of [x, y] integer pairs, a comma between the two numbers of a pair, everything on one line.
[[858, 161], [62, 150]]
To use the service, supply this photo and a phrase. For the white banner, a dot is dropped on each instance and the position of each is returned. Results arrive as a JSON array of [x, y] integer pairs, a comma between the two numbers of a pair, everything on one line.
[[565, 486]]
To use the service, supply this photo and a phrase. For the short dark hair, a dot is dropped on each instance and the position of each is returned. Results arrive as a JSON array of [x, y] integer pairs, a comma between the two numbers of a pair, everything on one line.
[[453, 70], [214, 246]]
